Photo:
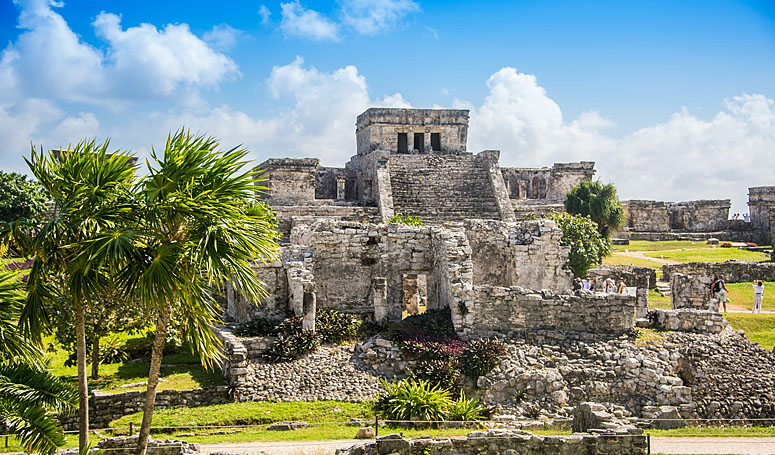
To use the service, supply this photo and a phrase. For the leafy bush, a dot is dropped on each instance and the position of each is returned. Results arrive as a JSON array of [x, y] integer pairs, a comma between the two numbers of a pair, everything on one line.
[[336, 327], [433, 325], [466, 409], [587, 245], [113, 351], [444, 372], [289, 326], [480, 356], [407, 219], [291, 347], [412, 399], [257, 327]]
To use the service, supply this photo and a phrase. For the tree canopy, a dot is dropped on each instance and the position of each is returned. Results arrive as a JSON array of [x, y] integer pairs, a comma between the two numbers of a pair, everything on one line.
[[21, 199], [587, 246], [599, 202]]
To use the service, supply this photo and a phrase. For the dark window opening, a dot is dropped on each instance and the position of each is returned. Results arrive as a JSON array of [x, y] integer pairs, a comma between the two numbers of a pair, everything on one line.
[[403, 143], [436, 142], [419, 142]]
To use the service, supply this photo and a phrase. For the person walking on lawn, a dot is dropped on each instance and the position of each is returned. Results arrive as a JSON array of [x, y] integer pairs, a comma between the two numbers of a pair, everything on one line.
[[758, 296]]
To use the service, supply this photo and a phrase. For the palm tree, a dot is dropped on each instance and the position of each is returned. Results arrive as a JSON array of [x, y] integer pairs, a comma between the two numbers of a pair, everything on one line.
[[29, 395], [91, 193], [192, 231], [599, 202]]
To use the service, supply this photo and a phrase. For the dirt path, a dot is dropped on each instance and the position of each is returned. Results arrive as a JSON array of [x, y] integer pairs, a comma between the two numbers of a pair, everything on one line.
[[754, 446], [642, 255]]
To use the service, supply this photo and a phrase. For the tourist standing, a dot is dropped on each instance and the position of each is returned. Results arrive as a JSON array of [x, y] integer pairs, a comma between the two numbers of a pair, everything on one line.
[[758, 296], [720, 292], [621, 288], [610, 288]]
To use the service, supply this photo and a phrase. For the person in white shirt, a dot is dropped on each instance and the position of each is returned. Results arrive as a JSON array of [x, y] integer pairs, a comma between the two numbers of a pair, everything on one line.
[[758, 296]]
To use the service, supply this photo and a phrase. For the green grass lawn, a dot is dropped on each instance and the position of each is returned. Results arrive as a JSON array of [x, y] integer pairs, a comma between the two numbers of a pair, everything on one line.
[[711, 431], [645, 245], [709, 255], [626, 260], [656, 300], [742, 294], [181, 370], [759, 328]]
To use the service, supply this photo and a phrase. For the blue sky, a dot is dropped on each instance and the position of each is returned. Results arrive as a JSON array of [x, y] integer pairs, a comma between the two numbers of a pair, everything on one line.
[[673, 100]]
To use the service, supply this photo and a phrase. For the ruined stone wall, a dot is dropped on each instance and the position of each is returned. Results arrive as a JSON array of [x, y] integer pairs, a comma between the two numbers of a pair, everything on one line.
[[647, 216], [500, 310], [760, 200], [330, 183], [700, 216], [505, 442], [524, 254], [567, 175], [378, 129], [291, 181], [546, 183], [688, 320], [691, 291], [274, 305], [292, 215], [732, 271], [642, 278]]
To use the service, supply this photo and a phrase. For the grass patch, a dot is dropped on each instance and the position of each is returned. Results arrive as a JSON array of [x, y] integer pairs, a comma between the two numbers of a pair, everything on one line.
[[648, 337], [616, 259], [709, 255], [742, 294], [759, 328], [646, 245], [254, 413], [711, 431], [657, 300]]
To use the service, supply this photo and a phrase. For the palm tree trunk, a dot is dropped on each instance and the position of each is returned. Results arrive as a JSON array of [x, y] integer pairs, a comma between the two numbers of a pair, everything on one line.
[[95, 357], [153, 377], [83, 389]]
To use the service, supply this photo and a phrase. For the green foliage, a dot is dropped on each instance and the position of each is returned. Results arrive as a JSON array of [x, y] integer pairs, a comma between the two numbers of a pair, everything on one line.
[[112, 350], [465, 409], [433, 325], [21, 199], [444, 372], [264, 211], [335, 326], [412, 399], [480, 356], [587, 245], [291, 347], [257, 327], [599, 202], [407, 219]]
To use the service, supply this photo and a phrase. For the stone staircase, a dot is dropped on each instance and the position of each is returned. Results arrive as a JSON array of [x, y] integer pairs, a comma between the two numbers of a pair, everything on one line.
[[663, 288], [442, 187]]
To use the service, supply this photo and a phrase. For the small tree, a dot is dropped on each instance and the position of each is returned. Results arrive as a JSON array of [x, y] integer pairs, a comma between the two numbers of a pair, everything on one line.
[[599, 202], [587, 246], [21, 199]]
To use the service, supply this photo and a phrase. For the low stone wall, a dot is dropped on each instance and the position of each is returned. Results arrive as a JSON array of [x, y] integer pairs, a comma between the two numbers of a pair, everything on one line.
[[642, 278], [128, 445], [105, 408], [234, 363], [688, 320], [499, 310], [692, 291], [733, 271], [506, 442]]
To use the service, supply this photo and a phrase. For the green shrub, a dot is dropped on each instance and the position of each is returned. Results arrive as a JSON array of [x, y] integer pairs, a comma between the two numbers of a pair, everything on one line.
[[291, 347], [336, 327], [113, 351], [257, 327], [480, 356], [466, 409], [433, 325], [444, 372], [407, 219], [412, 399]]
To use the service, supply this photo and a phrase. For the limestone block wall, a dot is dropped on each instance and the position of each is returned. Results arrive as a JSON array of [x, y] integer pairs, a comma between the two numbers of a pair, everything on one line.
[[274, 305], [546, 183], [506, 442], [234, 362], [524, 254], [499, 310], [330, 183], [688, 320], [633, 276], [732, 271], [293, 215], [567, 175], [700, 216], [105, 408], [290, 180], [647, 215], [691, 291], [378, 129], [760, 200]]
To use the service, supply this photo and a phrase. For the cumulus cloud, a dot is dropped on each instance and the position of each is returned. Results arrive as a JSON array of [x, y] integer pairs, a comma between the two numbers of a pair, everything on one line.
[[306, 23], [48, 60], [683, 158], [222, 37], [265, 14], [369, 17]]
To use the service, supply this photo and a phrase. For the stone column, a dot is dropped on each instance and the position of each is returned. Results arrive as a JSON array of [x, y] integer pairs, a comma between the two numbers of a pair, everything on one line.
[[340, 188], [309, 309], [381, 307]]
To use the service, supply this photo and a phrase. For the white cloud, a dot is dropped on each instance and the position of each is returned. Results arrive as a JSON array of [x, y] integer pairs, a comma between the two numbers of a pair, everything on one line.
[[222, 37], [369, 17], [306, 23], [265, 14], [48, 60]]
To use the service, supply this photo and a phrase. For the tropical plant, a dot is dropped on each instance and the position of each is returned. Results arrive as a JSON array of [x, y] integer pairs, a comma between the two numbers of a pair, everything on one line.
[[599, 202], [291, 347], [111, 351], [587, 245], [444, 372], [257, 327], [91, 193], [190, 232], [480, 356], [21, 199], [412, 399], [335, 326], [29, 395], [407, 219], [464, 409]]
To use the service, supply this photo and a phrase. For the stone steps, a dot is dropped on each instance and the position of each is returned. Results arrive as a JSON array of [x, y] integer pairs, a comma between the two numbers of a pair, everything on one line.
[[663, 288], [442, 187]]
